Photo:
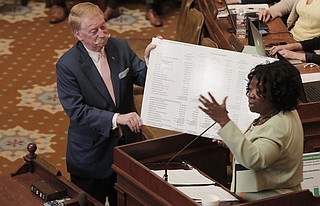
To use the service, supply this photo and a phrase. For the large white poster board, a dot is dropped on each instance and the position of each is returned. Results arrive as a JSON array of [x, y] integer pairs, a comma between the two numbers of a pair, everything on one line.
[[179, 72]]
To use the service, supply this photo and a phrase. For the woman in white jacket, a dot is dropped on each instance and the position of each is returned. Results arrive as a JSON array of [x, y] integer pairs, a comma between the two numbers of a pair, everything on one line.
[[268, 156]]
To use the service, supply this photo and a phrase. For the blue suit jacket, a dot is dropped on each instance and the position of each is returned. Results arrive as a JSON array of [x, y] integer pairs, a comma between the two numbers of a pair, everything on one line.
[[88, 104]]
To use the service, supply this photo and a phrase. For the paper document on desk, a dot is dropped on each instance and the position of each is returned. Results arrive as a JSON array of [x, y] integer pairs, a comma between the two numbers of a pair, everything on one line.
[[185, 177], [179, 72], [247, 8], [310, 77], [295, 61], [197, 193], [194, 184], [222, 12]]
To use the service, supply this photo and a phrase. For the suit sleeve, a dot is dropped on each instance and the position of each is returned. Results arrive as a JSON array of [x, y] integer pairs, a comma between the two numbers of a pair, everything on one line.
[[75, 104], [252, 155]]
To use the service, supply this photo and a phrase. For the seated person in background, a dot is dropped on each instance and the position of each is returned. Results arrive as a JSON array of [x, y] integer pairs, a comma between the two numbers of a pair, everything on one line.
[[153, 11], [59, 12], [112, 10], [303, 20], [308, 46], [269, 155]]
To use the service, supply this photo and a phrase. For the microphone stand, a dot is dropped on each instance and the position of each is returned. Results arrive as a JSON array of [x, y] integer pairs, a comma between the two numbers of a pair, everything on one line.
[[165, 176]]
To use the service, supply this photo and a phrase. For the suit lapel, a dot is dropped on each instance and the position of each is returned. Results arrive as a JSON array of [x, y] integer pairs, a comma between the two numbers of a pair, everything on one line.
[[94, 76]]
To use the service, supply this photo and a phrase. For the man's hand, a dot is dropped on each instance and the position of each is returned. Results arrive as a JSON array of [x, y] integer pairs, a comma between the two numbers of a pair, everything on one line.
[[149, 48], [131, 119]]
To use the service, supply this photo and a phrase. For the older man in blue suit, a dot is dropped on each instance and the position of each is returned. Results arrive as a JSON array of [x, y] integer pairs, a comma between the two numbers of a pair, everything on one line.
[[100, 117]]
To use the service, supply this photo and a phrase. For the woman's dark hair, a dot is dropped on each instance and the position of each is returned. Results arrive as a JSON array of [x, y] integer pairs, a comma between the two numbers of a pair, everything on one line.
[[279, 83]]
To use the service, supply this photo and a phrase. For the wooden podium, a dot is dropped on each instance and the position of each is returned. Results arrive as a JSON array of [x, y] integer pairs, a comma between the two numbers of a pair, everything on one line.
[[138, 185], [16, 190], [310, 118]]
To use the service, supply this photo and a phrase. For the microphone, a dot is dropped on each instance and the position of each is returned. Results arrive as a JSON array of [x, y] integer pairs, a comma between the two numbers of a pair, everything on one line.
[[165, 176], [83, 199]]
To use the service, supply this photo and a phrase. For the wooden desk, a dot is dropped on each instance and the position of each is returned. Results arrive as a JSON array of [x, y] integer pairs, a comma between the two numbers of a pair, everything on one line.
[[310, 117], [301, 198], [138, 185], [218, 28], [15, 190]]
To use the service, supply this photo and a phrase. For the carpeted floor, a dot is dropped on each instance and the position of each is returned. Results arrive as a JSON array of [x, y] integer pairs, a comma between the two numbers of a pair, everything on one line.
[[29, 48]]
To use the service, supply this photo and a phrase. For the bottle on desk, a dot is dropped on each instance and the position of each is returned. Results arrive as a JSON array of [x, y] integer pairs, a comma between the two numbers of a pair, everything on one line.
[[241, 24]]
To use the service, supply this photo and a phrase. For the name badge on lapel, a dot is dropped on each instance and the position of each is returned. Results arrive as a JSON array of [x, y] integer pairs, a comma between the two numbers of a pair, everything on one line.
[[124, 73]]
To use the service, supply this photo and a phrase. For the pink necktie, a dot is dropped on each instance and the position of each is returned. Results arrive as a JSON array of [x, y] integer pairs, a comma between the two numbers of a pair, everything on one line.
[[106, 74]]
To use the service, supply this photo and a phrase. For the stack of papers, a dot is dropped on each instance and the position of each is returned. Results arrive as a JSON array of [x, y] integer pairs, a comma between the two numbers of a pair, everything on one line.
[[197, 192], [247, 8], [310, 77], [194, 184], [185, 177]]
